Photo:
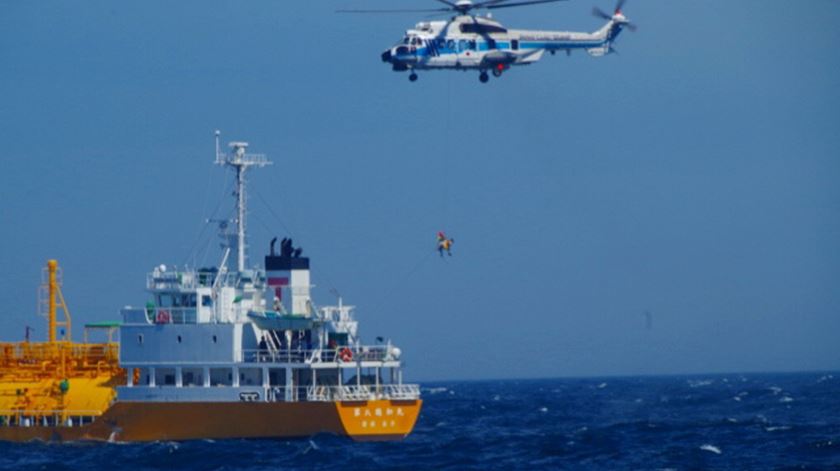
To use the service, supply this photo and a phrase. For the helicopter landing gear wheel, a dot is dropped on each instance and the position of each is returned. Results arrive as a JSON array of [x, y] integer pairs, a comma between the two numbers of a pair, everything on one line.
[[412, 77], [483, 77]]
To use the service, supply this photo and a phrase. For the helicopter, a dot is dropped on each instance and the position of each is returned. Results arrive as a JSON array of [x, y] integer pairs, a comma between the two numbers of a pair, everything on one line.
[[470, 42]]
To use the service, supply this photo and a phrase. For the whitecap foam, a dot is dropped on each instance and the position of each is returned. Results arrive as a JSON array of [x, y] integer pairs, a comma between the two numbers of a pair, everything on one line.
[[711, 449], [543, 409], [775, 389], [699, 383], [786, 399], [602, 385], [435, 390], [777, 428]]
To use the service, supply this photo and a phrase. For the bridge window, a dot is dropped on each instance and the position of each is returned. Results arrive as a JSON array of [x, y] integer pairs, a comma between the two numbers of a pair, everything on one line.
[[145, 377], [514, 44], [193, 376], [250, 376], [276, 376], [165, 376], [221, 377]]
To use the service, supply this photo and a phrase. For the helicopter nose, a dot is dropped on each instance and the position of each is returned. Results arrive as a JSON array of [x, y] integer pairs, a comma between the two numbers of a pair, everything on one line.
[[386, 56]]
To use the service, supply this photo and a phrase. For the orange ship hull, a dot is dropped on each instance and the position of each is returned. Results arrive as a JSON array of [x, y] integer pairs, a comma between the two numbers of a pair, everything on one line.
[[152, 421]]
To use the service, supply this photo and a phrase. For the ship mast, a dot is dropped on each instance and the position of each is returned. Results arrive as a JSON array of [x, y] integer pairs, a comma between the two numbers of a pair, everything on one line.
[[240, 162]]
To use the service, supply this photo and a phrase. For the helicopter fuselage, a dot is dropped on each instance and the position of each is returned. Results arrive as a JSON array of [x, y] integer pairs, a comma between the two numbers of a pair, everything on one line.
[[476, 43]]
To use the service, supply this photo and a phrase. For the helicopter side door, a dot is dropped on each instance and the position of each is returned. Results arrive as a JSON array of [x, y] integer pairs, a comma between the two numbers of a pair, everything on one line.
[[468, 54]]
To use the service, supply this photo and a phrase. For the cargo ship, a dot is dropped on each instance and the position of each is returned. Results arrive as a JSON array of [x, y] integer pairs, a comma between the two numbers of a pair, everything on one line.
[[222, 352]]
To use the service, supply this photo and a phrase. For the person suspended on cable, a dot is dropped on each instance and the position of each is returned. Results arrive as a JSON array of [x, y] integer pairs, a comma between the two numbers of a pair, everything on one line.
[[444, 243]]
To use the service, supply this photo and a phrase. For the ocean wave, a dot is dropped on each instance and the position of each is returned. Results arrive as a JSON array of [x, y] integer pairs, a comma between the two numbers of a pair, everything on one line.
[[699, 383], [540, 424]]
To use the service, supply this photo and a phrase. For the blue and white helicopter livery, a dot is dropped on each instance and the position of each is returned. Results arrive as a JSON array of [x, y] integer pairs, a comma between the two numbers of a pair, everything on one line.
[[470, 42]]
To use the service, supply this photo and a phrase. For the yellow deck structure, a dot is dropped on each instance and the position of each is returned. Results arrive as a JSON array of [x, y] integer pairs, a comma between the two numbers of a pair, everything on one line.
[[57, 381]]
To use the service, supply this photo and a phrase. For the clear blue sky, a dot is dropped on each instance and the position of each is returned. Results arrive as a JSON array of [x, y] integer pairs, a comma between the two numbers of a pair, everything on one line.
[[693, 176]]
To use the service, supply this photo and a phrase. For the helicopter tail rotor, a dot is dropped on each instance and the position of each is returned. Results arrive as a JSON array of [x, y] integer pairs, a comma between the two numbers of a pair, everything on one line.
[[617, 16]]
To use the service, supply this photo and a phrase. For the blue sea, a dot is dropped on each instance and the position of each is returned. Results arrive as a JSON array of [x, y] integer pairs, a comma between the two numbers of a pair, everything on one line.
[[752, 421]]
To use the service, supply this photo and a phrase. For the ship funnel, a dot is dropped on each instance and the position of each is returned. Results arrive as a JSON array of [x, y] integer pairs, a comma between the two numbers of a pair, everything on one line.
[[288, 276]]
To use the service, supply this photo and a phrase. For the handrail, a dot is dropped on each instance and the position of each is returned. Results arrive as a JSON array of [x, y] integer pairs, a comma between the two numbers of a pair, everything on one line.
[[39, 413], [363, 392], [338, 355], [47, 418], [172, 315]]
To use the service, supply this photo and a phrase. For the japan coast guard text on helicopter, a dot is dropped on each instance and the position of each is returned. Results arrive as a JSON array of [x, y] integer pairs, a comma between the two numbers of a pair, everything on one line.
[[466, 41]]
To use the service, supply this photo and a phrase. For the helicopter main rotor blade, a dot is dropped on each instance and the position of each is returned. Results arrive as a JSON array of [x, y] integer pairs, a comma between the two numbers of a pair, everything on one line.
[[518, 4], [447, 2], [601, 13], [487, 3], [425, 10]]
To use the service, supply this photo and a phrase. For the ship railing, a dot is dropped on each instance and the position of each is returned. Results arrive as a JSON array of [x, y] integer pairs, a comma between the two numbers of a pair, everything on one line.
[[35, 353], [189, 280], [47, 418], [400, 391], [279, 356], [340, 355], [163, 280], [339, 393], [172, 315], [364, 392]]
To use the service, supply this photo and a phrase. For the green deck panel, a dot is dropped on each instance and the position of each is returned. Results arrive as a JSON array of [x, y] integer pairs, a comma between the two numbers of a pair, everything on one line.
[[103, 325]]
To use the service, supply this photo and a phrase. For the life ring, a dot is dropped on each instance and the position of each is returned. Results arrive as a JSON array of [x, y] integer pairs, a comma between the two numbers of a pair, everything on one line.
[[345, 354], [162, 317]]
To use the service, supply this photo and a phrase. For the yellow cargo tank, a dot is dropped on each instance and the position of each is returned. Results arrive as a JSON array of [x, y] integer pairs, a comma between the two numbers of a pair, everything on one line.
[[57, 382]]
